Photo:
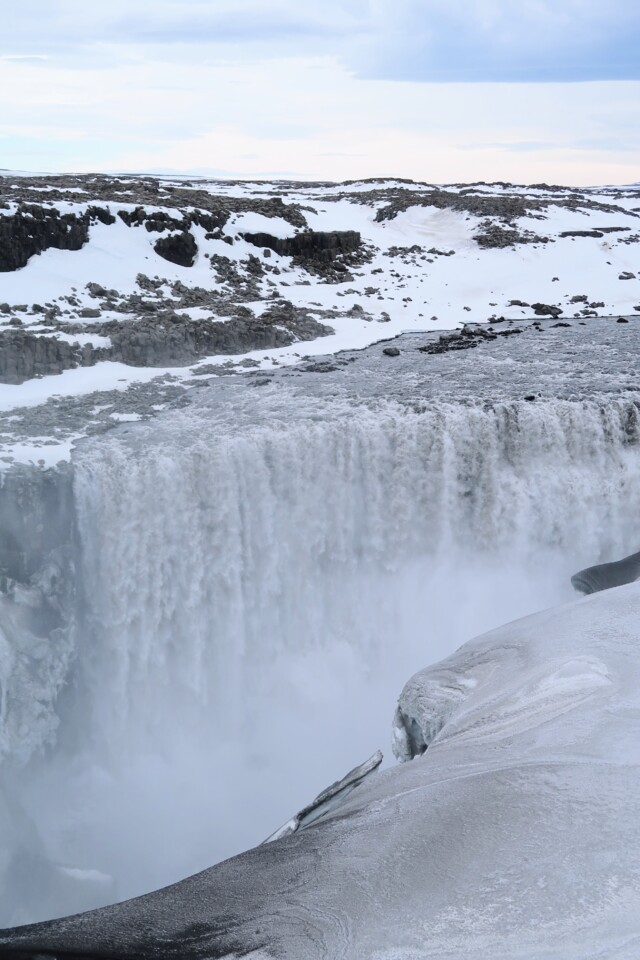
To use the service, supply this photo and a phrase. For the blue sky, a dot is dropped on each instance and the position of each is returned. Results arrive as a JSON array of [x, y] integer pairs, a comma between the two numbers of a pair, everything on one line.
[[432, 89]]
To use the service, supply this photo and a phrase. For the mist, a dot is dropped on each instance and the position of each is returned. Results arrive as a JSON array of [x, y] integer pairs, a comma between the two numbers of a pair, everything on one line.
[[254, 599]]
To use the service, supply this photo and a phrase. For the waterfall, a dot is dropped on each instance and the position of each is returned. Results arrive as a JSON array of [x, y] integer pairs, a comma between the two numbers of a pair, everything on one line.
[[259, 580], [207, 554]]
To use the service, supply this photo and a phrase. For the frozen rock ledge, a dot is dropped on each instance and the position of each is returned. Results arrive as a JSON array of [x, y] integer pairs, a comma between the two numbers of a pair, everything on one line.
[[514, 836]]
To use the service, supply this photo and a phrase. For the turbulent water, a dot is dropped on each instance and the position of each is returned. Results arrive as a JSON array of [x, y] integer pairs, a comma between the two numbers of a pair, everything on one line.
[[256, 587]]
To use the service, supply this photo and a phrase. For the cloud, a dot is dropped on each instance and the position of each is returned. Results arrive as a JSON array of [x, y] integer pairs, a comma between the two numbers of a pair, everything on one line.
[[419, 40], [502, 40], [245, 23], [251, 87], [73, 27]]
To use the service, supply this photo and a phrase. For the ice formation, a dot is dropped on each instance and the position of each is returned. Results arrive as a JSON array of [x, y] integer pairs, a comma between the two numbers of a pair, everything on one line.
[[514, 835]]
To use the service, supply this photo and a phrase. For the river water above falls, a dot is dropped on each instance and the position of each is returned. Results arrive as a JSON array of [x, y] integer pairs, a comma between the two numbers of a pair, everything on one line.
[[258, 575]]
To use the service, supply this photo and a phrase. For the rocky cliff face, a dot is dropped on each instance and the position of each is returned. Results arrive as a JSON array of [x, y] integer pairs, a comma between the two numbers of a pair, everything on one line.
[[38, 594], [310, 245], [33, 229], [25, 355], [163, 340]]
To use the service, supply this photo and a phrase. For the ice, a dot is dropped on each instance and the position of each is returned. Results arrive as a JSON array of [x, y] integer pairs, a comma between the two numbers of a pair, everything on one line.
[[330, 798], [265, 564], [606, 575], [514, 836]]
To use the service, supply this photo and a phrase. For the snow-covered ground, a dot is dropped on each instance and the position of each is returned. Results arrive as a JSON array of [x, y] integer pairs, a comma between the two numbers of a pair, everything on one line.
[[423, 267]]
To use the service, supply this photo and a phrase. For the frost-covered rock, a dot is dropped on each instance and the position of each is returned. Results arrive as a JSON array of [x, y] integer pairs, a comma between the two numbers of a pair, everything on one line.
[[514, 836]]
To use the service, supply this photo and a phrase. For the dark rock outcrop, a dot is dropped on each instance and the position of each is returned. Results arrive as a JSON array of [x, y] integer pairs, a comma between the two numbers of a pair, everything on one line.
[[174, 341], [581, 233], [33, 229], [158, 221], [180, 248], [24, 355], [546, 310], [310, 245], [163, 339], [467, 338], [495, 235]]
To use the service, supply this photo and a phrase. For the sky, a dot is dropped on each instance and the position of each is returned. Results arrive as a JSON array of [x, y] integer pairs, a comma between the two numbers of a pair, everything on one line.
[[435, 90]]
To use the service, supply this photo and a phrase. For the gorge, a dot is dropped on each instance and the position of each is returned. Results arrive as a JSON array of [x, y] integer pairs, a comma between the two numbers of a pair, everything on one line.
[[215, 579]]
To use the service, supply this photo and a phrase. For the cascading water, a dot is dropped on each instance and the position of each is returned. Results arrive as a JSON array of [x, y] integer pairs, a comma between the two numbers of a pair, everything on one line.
[[257, 587]]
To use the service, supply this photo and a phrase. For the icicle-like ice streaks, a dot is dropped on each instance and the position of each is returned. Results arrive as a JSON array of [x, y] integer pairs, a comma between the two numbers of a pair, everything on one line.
[[208, 553]]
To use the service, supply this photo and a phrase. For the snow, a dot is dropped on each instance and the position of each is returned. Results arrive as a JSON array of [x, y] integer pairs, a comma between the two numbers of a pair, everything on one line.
[[247, 555], [82, 338], [420, 291], [251, 222], [514, 836], [106, 375]]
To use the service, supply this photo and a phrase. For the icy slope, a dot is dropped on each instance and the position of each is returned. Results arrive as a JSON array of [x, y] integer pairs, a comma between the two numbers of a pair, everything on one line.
[[514, 836]]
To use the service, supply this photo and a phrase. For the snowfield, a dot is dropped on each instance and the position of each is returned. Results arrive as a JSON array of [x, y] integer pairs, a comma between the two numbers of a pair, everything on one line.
[[513, 836]]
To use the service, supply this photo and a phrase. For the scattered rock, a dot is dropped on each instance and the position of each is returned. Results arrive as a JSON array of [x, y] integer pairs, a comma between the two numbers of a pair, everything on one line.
[[546, 310], [391, 352], [323, 366], [494, 235]]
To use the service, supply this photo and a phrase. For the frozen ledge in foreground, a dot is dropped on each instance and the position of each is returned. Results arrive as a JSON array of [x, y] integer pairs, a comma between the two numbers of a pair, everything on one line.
[[515, 835]]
